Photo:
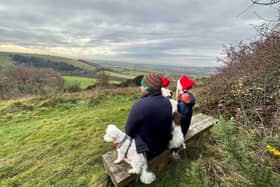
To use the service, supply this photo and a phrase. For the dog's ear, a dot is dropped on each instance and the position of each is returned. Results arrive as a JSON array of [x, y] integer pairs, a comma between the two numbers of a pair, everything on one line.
[[171, 93], [176, 118]]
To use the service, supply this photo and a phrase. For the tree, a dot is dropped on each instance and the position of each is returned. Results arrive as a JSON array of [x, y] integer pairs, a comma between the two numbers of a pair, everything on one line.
[[102, 78]]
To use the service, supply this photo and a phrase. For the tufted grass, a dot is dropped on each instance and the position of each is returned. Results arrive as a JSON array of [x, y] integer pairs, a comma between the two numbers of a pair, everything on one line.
[[59, 145]]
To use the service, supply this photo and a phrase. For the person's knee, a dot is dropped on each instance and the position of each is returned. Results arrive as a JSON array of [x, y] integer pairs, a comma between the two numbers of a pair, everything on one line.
[[185, 125], [184, 130]]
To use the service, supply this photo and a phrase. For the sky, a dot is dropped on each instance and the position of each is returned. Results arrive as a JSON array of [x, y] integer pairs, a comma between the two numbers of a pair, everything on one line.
[[176, 32]]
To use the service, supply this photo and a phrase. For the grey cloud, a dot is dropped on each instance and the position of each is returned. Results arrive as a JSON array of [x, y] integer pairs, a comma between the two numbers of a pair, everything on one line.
[[133, 29]]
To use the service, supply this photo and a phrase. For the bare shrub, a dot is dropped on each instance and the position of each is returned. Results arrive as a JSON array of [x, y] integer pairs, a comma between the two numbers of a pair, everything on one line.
[[102, 79], [16, 81], [247, 86], [74, 87]]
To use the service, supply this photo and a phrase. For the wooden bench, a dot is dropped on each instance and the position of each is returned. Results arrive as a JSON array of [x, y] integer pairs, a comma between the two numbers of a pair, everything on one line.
[[119, 172]]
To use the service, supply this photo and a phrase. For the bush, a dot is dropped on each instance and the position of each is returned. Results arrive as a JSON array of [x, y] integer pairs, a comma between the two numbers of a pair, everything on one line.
[[247, 87], [74, 87], [102, 79], [132, 82], [17, 81]]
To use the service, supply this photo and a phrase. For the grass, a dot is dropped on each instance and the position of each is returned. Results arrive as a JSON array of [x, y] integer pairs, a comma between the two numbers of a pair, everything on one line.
[[131, 71], [5, 59], [65, 60], [58, 141], [83, 82], [114, 82], [59, 145], [119, 75]]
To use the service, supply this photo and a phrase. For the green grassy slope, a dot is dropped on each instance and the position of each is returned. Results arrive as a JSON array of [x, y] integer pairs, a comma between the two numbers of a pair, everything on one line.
[[76, 63], [115, 77], [119, 75], [58, 145], [84, 82], [65, 60], [58, 141], [5, 59]]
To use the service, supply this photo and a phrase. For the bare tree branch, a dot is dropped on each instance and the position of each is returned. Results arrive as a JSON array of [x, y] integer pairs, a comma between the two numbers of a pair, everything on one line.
[[266, 3], [264, 19], [249, 6]]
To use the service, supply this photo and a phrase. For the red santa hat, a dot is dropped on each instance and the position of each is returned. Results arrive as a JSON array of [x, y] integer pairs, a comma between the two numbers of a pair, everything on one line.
[[165, 81], [185, 83]]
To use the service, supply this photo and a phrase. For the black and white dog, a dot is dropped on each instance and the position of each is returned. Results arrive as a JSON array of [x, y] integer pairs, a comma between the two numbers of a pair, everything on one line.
[[178, 139]]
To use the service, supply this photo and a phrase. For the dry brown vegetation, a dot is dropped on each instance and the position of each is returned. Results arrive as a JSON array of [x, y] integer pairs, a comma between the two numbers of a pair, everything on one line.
[[16, 81], [247, 87]]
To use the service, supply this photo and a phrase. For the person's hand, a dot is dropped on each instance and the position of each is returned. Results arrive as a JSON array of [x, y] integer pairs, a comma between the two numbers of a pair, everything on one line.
[[186, 98]]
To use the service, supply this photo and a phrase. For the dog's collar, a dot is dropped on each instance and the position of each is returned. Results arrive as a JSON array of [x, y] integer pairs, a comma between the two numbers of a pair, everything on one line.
[[119, 144]]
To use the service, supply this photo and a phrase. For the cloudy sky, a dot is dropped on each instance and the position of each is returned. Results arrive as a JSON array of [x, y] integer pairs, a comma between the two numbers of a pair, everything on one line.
[[182, 32]]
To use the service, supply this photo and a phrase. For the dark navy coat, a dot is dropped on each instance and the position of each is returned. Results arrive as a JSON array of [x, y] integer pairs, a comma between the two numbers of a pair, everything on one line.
[[186, 111], [149, 123]]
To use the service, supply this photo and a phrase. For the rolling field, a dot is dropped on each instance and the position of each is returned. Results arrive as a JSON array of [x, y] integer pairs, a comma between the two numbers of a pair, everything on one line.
[[119, 75], [5, 59], [83, 82], [65, 60]]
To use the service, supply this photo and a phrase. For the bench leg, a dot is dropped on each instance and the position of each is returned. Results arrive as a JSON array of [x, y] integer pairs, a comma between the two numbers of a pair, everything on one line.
[[160, 163]]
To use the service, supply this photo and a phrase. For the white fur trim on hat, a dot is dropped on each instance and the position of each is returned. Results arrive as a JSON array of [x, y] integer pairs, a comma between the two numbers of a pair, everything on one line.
[[179, 87]]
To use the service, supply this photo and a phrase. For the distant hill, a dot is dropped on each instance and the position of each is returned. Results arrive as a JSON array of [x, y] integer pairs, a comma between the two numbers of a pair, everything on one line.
[[116, 70], [65, 66], [138, 68], [60, 64]]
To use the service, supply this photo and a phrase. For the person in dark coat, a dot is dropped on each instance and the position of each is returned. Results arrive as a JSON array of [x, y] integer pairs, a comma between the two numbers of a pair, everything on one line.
[[150, 119], [186, 101]]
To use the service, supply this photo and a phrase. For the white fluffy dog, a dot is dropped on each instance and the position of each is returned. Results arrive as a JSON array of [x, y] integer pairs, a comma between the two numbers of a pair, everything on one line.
[[125, 147], [178, 139]]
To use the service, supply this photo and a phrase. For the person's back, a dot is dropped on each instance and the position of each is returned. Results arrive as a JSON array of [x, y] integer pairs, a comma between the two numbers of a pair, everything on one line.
[[186, 101], [150, 123]]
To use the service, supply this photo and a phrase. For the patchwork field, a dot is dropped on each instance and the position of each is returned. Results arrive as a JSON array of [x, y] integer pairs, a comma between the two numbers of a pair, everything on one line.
[[119, 75], [83, 82]]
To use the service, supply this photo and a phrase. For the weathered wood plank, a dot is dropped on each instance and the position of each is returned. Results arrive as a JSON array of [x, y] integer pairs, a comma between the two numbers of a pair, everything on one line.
[[119, 172], [199, 124]]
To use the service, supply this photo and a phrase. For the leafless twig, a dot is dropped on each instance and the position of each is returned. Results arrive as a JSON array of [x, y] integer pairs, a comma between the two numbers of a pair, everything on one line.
[[265, 3]]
